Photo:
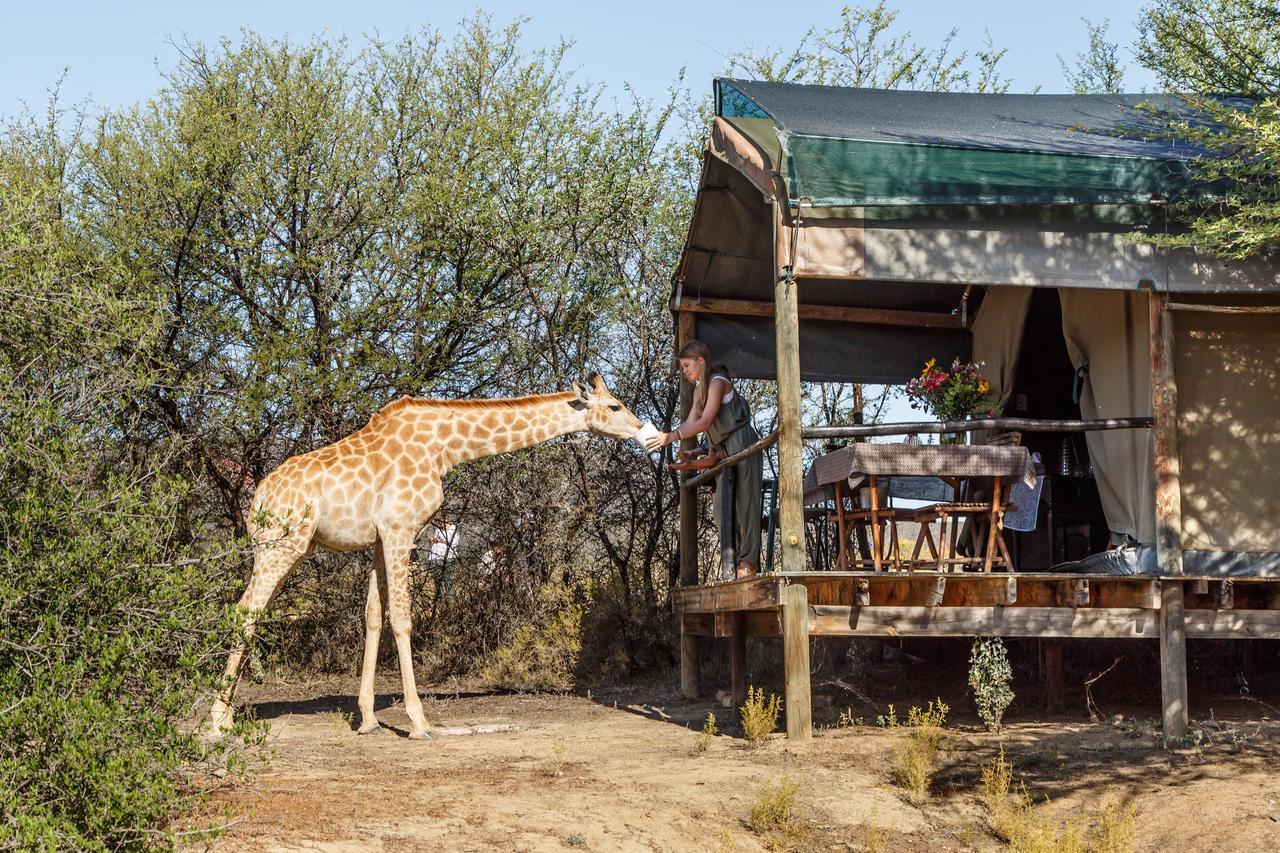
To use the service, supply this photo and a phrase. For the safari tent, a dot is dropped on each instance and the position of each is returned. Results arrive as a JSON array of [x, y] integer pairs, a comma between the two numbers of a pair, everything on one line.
[[847, 235]]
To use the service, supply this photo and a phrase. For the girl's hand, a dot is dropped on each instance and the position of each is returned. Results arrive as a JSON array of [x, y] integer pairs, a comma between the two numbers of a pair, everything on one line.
[[659, 441]]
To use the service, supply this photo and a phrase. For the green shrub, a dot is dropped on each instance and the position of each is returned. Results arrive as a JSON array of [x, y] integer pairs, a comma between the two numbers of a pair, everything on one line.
[[773, 806], [112, 622], [709, 730], [759, 717], [918, 748], [989, 678], [1015, 819], [544, 652]]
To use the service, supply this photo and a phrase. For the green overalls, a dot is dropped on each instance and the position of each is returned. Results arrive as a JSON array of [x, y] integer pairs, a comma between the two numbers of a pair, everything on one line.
[[738, 499]]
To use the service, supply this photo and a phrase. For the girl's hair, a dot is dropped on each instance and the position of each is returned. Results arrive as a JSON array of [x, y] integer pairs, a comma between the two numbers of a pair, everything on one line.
[[697, 349]]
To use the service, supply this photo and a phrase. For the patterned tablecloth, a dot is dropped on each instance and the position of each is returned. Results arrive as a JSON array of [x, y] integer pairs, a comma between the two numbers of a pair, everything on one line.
[[857, 461]]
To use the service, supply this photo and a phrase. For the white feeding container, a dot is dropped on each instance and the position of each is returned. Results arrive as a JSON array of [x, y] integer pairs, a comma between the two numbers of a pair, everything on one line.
[[646, 432]]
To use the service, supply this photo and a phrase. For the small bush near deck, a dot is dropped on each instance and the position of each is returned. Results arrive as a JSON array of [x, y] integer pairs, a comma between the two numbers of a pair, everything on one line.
[[918, 749], [709, 730], [989, 678], [1115, 830], [1016, 821], [544, 652], [774, 805], [760, 717]]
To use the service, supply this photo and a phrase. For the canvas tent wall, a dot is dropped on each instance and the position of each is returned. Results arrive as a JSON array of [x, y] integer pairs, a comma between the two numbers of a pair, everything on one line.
[[891, 210]]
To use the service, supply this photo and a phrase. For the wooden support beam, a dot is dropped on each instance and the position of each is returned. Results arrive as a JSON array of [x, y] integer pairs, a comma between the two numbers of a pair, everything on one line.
[[969, 591], [685, 331], [688, 664], [758, 593], [876, 316], [1144, 593], [790, 446], [795, 655], [1168, 501], [1053, 592], [830, 620], [862, 593], [1226, 594], [697, 624], [738, 660], [1053, 676], [1224, 309]]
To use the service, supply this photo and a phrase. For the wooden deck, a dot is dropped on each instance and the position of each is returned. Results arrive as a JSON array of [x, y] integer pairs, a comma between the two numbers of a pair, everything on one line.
[[929, 604]]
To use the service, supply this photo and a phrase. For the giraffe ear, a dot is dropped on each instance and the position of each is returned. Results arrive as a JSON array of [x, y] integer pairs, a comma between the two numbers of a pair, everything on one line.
[[584, 396]]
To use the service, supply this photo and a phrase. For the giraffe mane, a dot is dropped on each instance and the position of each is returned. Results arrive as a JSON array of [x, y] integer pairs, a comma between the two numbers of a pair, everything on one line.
[[408, 402]]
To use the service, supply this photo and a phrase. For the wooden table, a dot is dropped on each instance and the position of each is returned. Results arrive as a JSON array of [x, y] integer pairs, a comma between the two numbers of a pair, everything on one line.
[[950, 462]]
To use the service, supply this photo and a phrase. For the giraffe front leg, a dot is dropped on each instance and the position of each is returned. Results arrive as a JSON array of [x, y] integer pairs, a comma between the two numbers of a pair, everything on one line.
[[270, 568], [395, 560], [372, 636]]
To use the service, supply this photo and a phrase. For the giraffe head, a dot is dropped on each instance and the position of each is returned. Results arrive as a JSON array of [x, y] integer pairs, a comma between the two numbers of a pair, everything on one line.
[[605, 413]]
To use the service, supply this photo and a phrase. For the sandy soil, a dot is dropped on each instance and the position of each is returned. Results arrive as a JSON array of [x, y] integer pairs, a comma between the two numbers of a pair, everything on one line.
[[618, 771]]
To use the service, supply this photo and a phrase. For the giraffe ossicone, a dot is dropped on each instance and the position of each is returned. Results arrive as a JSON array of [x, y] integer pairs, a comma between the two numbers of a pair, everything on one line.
[[377, 488]]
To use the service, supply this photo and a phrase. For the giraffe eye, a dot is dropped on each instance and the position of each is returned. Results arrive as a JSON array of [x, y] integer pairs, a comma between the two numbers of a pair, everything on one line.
[[615, 407]]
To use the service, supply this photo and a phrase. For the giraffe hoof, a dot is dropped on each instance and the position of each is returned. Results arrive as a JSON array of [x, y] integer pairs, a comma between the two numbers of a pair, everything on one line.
[[373, 728], [425, 734]]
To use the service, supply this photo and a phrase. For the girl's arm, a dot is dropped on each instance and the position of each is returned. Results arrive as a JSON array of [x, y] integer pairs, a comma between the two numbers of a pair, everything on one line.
[[697, 421]]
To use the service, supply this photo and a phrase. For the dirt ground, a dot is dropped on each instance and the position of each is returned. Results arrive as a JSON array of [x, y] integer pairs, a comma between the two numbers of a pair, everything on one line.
[[618, 770]]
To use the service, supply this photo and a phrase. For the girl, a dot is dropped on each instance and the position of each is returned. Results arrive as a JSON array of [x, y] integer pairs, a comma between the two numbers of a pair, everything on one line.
[[723, 414]]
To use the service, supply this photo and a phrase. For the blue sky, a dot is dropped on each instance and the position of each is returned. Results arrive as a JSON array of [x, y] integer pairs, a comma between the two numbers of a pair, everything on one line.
[[113, 50]]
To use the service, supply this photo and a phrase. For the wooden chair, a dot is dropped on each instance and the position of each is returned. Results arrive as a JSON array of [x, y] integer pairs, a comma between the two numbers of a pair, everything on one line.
[[945, 553], [878, 520]]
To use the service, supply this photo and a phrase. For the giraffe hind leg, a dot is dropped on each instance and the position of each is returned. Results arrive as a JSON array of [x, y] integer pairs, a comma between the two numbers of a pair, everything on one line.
[[395, 561], [373, 619]]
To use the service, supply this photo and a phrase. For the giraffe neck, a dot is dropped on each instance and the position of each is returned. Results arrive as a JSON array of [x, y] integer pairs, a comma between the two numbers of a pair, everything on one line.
[[488, 429]]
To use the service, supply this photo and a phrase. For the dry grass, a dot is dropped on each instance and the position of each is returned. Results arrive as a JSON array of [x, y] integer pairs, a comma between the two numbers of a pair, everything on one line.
[[773, 816], [1024, 829], [703, 739], [542, 654], [556, 759], [1115, 830], [872, 836], [917, 750], [760, 716]]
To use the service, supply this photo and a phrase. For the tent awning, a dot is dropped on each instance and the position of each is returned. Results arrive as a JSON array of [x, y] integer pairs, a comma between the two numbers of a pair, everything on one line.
[[844, 147]]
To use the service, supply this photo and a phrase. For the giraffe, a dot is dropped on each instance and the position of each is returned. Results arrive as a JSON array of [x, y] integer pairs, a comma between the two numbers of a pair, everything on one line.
[[377, 488]]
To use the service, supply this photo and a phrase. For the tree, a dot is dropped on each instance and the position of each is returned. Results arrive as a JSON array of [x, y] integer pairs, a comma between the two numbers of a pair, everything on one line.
[[1098, 70], [112, 614], [1207, 51], [866, 51]]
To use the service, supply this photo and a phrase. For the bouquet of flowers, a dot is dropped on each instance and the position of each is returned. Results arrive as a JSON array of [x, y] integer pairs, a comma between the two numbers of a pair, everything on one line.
[[952, 395]]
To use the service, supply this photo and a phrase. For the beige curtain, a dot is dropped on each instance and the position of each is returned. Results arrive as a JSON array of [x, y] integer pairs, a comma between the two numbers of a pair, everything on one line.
[[997, 336], [1228, 429], [1108, 331]]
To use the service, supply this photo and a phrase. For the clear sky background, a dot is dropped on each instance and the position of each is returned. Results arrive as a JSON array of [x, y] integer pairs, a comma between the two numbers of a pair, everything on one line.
[[114, 51]]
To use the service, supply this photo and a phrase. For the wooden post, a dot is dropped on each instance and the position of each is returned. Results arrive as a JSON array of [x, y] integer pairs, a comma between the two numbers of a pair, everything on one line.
[[1053, 681], [738, 658], [688, 663], [786, 320], [795, 657], [685, 331], [1168, 501]]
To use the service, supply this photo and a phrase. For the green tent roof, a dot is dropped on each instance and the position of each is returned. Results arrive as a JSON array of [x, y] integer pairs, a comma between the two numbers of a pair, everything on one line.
[[843, 147]]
